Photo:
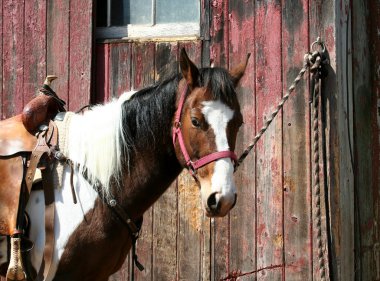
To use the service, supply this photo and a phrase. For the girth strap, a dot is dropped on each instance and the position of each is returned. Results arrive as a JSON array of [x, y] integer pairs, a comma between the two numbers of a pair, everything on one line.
[[47, 181]]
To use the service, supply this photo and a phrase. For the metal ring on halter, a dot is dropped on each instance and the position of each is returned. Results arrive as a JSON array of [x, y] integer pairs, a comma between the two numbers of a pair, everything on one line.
[[177, 124], [320, 43]]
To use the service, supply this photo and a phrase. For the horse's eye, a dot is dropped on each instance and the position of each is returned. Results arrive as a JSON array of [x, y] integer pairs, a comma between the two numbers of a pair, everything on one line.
[[195, 122]]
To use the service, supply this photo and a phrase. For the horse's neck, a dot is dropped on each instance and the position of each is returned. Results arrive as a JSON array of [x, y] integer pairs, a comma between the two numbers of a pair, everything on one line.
[[151, 174]]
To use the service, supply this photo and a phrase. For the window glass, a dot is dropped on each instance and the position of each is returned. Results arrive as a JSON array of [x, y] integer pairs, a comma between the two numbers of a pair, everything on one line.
[[168, 11], [147, 18], [101, 13], [138, 12]]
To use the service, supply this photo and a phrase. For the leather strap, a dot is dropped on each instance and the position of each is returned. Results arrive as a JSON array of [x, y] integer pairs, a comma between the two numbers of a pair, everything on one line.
[[47, 140], [43, 149], [134, 228], [40, 149], [48, 186]]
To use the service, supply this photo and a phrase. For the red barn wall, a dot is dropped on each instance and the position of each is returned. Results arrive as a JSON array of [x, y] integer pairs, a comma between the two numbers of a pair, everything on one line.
[[273, 224], [40, 37]]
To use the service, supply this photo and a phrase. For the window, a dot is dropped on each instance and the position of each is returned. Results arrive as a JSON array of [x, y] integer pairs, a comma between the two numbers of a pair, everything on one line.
[[147, 18]]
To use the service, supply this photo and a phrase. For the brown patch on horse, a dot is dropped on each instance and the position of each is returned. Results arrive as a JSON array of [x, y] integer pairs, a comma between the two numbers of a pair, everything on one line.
[[101, 240], [101, 237]]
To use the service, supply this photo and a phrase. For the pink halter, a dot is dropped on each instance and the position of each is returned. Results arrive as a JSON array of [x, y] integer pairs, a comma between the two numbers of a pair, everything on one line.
[[177, 133]]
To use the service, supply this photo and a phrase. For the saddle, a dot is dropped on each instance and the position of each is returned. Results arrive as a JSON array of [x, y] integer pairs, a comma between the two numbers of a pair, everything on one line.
[[27, 143]]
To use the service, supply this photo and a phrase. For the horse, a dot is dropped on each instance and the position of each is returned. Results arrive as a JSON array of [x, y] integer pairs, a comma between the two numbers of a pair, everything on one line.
[[126, 153]]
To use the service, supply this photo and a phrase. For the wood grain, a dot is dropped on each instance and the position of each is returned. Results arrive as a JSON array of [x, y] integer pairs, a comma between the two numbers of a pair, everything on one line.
[[143, 57], [2, 107], [243, 216], [219, 54], [102, 81], [121, 68], [366, 191], [80, 53], [192, 262], [58, 44], [322, 20], [374, 42], [296, 145], [165, 212], [35, 50], [269, 170], [13, 57]]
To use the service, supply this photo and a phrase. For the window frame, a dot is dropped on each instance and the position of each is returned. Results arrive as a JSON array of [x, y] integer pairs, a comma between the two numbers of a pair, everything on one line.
[[148, 31]]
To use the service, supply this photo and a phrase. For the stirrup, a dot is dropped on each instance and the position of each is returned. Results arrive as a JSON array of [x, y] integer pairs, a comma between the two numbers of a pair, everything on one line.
[[16, 270]]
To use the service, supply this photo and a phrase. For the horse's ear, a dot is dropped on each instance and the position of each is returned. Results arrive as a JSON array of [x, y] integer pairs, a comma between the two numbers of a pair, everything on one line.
[[238, 71], [189, 70]]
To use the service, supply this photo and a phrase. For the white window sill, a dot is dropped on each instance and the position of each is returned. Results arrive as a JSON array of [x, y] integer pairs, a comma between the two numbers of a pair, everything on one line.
[[185, 29]]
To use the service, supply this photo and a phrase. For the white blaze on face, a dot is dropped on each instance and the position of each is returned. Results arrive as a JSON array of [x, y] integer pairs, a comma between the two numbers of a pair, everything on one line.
[[218, 115]]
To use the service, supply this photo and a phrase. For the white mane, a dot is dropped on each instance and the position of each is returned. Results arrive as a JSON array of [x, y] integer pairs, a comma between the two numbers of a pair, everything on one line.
[[96, 142]]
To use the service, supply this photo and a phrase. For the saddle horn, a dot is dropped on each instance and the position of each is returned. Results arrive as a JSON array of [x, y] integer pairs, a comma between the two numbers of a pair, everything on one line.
[[49, 79], [43, 107]]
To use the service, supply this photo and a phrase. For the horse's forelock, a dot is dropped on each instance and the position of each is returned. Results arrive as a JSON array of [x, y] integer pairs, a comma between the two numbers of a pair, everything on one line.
[[219, 83]]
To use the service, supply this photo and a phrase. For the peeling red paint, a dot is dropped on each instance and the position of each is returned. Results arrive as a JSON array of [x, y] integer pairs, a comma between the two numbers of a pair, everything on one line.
[[330, 39], [241, 31]]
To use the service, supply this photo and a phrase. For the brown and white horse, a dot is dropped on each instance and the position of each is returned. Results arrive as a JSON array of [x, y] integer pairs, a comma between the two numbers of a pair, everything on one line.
[[128, 146]]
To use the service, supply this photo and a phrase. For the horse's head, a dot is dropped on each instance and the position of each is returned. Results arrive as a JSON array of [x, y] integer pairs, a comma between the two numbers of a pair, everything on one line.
[[205, 129]]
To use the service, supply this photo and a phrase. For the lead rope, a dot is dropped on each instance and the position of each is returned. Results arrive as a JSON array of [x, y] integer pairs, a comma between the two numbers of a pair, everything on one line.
[[310, 60], [315, 62], [317, 212]]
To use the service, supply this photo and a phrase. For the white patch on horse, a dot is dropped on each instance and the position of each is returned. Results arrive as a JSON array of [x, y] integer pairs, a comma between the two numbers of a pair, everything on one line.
[[217, 114], [68, 216], [96, 142], [126, 96]]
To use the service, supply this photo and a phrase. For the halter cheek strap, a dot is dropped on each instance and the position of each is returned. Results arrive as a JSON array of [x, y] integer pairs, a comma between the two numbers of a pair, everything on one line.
[[177, 134]]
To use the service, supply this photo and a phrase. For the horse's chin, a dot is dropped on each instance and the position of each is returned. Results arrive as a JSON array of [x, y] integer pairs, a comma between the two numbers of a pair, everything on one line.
[[219, 214]]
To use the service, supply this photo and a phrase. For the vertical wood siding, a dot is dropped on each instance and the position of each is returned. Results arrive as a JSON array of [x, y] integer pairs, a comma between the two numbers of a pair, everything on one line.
[[273, 222], [40, 37]]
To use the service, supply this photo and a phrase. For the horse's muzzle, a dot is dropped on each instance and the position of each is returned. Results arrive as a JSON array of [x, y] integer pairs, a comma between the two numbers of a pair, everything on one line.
[[219, 205]]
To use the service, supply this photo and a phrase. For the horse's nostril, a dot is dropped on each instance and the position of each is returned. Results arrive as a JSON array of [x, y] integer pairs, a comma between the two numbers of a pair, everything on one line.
[[213, 202]]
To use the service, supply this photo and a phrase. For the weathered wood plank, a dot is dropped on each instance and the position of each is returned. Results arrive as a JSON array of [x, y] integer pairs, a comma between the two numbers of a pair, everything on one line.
[[296, 145], [35, 47], [143, 72], [374, 42], [102, 82], [165, 212], [269, 170], [13, 52], [120, 69], [57, 44], [143, 56], [243, 216], [80, 69], [218, 30], [205, 32], [322, 23], [193, 257], [1, 61], [220, 253], [364, 100]]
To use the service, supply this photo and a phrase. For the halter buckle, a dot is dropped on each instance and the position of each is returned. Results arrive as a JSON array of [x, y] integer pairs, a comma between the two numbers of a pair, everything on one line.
[[177, 124], [192, 169]]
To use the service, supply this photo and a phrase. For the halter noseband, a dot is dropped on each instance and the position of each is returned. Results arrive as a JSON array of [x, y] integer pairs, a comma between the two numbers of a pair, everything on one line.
[[177, 134]]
